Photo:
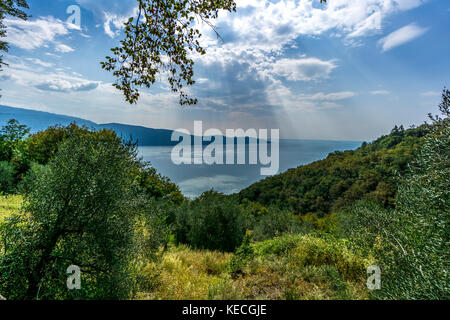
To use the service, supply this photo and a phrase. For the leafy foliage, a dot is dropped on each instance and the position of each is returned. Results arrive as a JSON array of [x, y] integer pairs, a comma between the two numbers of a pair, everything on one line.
[[6, 177], [276, 223], [411, 241], [80, 211], [336, 182], [161, 41], [211, 221], [12, 137]]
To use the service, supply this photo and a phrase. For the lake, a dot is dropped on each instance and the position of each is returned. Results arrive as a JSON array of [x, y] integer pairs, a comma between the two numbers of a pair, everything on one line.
[[195, 179]]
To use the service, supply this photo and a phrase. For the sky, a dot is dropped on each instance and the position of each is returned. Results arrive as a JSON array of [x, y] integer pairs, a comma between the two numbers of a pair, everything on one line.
[[347, 70]]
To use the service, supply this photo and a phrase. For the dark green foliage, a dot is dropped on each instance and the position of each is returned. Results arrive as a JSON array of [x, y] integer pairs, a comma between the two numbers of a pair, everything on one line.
[[80, 211], [411, 241], [343, 177], [13, 148], [242, 255], [25, 185], [159, 187], [6, 177], [43, 145], [211, 221], [12, 137], [162, 40], [157, 226], [277, 223]]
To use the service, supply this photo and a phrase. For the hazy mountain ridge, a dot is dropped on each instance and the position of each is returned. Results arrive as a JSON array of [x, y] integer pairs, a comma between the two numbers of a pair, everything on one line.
[[41, 120]]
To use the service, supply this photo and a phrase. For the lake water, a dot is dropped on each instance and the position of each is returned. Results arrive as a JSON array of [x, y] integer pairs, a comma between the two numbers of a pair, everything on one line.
[[195, 179]]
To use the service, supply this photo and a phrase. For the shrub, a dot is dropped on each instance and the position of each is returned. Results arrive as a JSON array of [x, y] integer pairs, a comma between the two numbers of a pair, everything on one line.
[[242, 255], [314, 251], [277, 246], [212, 221], [276, 223], [410, 242], [6, 177]]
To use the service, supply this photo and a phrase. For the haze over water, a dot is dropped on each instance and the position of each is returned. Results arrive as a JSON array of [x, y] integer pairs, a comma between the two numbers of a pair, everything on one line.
[[193, 180]]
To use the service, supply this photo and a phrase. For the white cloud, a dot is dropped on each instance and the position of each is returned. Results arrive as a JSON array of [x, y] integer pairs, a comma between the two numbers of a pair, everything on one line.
[[113, 24], [379, 92], [409, 4], [401, 36], [334, 96], [33, 34], [56, 80], [267, 25], [112, 13], [66, 85], [258, 35], [40, 62], [63, 48], [282, 97], [431, 94], [306, 69]]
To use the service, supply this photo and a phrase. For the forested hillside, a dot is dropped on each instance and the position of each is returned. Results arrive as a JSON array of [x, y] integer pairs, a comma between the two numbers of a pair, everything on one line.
[[343, 177], [72, 196]]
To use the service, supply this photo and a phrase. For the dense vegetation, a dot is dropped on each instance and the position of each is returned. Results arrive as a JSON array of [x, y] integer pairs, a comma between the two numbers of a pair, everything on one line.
[[411, 240], [343, 177], [86, 199]]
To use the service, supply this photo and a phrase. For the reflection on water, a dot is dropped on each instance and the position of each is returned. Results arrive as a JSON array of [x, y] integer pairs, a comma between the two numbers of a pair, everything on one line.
[[195, 179]]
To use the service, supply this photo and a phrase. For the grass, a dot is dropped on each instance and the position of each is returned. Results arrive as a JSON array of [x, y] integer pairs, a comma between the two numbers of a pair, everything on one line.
[[289, 267], [8, 205], [184, 274]]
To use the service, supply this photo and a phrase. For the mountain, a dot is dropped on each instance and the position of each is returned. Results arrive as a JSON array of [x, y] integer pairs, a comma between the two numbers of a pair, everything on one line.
[[39, 120]]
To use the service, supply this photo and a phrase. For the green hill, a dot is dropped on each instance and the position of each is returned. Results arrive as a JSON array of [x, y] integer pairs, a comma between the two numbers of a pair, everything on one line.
[[333, 183]]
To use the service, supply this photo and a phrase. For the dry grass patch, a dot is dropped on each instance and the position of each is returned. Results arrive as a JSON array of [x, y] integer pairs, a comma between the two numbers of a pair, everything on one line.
[[9, 204]]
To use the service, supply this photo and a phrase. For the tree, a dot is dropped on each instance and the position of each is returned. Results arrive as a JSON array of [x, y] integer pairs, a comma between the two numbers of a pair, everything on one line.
[[160, 40], [80, 210], [10, 8], [212, 221], [12, 138], [43, 145], [444, 107], [410, 242]]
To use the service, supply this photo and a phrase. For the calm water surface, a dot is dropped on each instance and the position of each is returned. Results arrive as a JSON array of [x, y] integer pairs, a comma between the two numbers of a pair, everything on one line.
[[195, 179]]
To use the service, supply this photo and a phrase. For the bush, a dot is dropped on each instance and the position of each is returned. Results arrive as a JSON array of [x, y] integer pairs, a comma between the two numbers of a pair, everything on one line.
[[410, 242], [6, 177], [26, 184], [299, 267], [242, 255], [276, 223], [212, 221], [314, 251]]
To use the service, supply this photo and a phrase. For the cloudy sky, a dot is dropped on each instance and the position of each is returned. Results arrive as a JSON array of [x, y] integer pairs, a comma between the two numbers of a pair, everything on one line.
[[348, 70]]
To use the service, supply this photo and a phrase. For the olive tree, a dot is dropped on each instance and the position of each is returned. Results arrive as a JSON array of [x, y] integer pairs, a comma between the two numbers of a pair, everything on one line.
[[80, 210], [411, 241]]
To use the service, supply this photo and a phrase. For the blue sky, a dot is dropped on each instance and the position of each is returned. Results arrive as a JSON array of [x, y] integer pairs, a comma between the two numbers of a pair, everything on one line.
[[348, 70]]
